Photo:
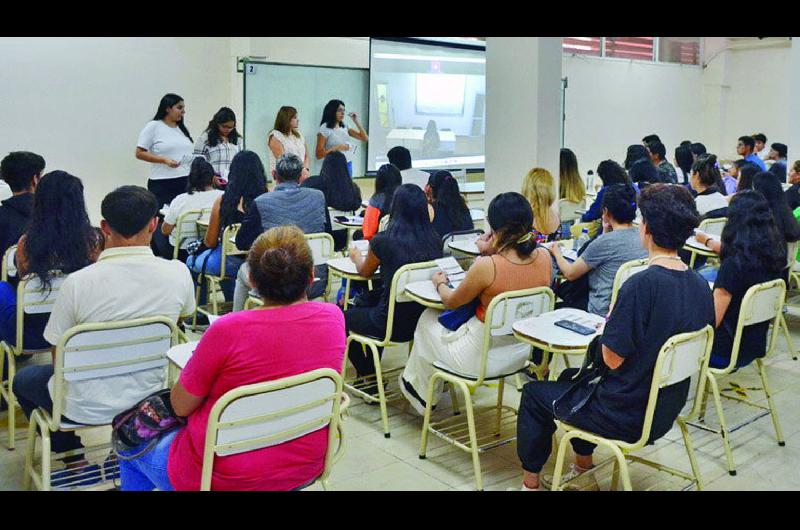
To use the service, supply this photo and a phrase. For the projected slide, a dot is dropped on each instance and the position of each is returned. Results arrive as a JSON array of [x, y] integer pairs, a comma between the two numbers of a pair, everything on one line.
[[430, 98]]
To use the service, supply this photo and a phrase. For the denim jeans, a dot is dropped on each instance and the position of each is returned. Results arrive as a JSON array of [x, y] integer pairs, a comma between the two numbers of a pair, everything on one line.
[[148, 471]]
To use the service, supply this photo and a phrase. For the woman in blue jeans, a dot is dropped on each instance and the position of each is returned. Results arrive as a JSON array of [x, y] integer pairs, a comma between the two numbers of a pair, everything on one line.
[[246, 181]]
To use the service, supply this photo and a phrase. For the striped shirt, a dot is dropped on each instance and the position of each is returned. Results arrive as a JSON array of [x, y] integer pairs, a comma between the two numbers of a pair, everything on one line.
[[219, 156]]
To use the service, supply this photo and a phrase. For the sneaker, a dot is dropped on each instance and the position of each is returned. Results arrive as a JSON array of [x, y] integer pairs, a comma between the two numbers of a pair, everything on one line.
[[584, 483], [526, 488], [71, 478], [411, 395]]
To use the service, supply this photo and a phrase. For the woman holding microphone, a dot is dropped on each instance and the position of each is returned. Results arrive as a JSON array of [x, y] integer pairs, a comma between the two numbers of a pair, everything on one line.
[[333, 134], [167, 145]]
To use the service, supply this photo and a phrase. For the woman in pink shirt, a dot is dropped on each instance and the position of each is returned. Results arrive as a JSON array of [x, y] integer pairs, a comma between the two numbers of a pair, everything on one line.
[[287, 336]]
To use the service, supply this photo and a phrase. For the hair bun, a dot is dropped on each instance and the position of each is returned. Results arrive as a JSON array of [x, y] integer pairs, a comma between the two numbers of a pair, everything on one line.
[[275, 262]]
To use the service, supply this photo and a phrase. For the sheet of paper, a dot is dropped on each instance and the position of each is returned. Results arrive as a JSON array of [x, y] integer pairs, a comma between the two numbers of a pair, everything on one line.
[[452, 269]]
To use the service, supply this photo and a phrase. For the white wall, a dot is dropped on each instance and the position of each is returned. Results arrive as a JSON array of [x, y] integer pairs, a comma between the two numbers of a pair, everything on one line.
[[612, 104], [81, 102]]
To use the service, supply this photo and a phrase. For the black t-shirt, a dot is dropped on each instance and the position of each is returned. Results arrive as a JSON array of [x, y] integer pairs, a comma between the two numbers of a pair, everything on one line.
[[443, 225], [736, 280], [652, 306], [392, 257]]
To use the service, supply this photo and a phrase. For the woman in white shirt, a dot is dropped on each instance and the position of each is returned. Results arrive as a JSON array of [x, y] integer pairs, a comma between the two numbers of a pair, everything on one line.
[[200, 195], [333, 134], [705, 181], [167, 145], [285, 138], [219, 143]]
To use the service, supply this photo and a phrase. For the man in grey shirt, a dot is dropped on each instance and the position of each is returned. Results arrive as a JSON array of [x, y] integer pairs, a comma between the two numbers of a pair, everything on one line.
[[287, 204], [603, 257]]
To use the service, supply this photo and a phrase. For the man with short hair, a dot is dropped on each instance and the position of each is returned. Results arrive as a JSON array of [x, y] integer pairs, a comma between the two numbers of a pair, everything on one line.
[[650, 138], [400, 158], [697, 150], [745, 147], [761, 150], [778, 153], [666, 171], [287, 204], [21, 170], [126, 282]]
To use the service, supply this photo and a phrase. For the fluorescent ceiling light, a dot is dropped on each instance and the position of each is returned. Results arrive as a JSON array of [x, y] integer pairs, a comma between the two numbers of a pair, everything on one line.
[[578, 47], [441, 58]]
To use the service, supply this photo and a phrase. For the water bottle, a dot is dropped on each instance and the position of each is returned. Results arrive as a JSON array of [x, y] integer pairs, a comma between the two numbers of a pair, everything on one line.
[[584, 237]]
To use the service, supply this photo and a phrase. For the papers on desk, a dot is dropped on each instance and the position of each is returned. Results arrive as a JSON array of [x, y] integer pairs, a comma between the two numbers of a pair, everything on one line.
[[455, 274], [179, 355], [362, 245], [568, 253]]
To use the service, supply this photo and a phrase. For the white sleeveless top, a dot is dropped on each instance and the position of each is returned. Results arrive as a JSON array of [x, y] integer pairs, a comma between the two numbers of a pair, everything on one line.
[[291, 145]]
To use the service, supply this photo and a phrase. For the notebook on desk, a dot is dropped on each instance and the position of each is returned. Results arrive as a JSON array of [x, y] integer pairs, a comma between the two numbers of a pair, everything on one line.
[[455, 274]]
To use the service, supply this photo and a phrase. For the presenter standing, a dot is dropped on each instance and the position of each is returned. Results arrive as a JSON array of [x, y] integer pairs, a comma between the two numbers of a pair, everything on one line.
[[333, 135], [219, 143], [167, 145], [285, 138]]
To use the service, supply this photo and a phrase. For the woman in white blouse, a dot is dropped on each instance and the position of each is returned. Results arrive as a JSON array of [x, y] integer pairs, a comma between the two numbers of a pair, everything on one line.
[[333, 134], [167, 145], [285, 138], [219, 143]]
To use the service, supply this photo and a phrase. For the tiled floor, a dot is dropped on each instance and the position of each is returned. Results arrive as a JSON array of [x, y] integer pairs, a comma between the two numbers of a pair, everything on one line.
[[372, 462]]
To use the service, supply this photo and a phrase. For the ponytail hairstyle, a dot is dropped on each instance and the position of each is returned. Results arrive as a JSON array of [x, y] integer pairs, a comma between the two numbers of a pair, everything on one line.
[[708, 173], [445, 192], [223, 115], [511, 219], [281, 264], [201, 175], [620, 201], [570, 181], [684, 158], [168, 101]]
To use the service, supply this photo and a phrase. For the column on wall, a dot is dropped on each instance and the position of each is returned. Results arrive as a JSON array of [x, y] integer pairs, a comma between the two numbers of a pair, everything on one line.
[[793, 110], [523, 83]]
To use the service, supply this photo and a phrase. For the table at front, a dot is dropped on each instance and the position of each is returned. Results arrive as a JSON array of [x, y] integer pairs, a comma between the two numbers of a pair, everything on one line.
[[344, 268], [541, 332], [178, 356], [424, 293]]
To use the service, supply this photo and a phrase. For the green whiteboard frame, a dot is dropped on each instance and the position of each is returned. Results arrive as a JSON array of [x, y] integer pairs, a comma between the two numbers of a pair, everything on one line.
[[245, 61]]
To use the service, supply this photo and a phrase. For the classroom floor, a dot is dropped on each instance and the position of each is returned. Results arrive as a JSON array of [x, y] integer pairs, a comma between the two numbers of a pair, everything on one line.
[[372, 462]]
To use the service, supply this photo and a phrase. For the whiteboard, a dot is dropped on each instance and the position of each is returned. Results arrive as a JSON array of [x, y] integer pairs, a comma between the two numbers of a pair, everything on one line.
[[269, 86]]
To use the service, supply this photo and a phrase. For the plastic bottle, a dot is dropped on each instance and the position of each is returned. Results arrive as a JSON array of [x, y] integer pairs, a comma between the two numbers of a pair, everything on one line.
[[584, 237]]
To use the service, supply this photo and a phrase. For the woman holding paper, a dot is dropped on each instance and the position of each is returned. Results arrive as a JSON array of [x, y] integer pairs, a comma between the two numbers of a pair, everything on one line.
[[219, 143], [333, 134], [167, 145], [517, 264]]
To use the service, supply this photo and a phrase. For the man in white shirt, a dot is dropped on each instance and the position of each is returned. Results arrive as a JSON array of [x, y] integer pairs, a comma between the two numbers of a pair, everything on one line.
[[400, 158], [127, 282], [762, 149]]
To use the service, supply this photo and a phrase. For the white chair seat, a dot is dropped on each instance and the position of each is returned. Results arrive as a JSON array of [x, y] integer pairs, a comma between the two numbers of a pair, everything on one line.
[[443, 367]]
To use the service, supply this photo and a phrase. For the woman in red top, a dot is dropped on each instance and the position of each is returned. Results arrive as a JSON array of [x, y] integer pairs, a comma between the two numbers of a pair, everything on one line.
[[386, 181], [243, 348]]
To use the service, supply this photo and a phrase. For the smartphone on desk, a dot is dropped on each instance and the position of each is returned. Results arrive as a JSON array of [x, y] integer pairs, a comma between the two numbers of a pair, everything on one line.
[[574, 326]]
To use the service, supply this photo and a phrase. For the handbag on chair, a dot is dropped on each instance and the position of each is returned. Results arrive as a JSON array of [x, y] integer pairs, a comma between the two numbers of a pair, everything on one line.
[[584, 384], [144, 423]]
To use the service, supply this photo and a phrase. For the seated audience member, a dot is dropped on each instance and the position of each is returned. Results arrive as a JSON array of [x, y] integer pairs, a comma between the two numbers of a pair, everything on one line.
[[698, 149], [570, 182], [619, 243], [538, 187], [387, 180], [450, 211], [341, 193], [744, 180], [517, 264], [760, 149], [769, 186], [287, 204], [753, 251], [745, 147], [643, 173], [246, 181], [649, 139], [653, 305], [705, 178], [200, 195], [610, 173], [59, 237], [127, 282], [793, 193], [5, 190], [21, 170], [409, 238], [684, 160], [400, 158], [231, 355], [666, 171], [634, 154], [778, 154]]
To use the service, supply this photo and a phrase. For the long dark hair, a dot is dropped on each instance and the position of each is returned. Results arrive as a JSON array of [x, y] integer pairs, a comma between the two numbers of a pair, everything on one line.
[[612, 173], [510, 216], [246, 180], [684, 159], [387, 180], [201, 175], [446, 194], [747, 172], [340, 190], [635, 152], [329, 114], [59, 235], [770, 187], [410, 228], [708, 171], [170, 100], [751, 236], [223, 115]]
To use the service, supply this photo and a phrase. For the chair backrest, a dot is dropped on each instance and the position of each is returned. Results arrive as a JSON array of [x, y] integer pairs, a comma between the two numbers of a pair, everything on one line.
[[9, 267], [761, 303], [321, 247], [566, 210], [261, 415], [105, 349], [507, 308], [681, 357], [626, 270], [791, 253], [461, 235], [713, 226], [33, 299], [228, 247], [413, 272], [186, 227]]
